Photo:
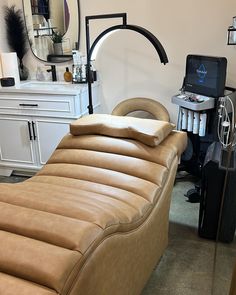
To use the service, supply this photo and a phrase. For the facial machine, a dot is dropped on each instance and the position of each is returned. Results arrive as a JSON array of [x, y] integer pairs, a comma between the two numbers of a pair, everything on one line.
[[203, 84], [207, 113]]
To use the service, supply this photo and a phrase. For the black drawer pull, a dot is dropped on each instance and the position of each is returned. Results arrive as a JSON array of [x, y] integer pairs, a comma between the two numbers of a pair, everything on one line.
[[34, 133], [28, 105], [29, 128]]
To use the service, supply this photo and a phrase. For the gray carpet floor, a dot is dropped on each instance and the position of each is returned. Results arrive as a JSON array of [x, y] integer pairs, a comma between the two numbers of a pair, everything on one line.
[[186, 267]]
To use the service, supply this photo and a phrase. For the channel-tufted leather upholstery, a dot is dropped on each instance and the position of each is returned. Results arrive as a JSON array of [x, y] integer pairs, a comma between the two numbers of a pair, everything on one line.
[[93, 221]]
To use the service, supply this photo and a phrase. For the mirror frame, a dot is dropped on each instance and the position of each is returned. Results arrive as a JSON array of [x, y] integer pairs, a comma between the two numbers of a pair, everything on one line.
[[79, 31]]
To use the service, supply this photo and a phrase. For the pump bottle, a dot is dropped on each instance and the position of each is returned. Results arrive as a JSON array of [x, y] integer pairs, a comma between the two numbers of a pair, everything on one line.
[[67, 75]]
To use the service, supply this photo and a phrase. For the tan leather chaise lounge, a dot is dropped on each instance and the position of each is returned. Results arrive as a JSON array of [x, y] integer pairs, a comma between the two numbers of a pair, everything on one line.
[[94, 220]]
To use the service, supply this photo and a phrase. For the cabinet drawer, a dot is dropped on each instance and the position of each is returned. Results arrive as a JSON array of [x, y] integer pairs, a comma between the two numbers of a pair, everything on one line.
[[55, 106]]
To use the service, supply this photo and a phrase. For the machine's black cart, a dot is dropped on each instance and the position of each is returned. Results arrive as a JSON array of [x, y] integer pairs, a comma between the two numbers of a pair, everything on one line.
[[212, 185]]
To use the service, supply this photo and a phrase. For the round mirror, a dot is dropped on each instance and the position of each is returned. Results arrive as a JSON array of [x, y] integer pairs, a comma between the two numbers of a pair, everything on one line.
[[53, 28]]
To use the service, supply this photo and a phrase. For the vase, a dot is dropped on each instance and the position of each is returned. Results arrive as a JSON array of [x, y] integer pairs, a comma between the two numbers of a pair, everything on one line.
[[58, 48], [23, 72]]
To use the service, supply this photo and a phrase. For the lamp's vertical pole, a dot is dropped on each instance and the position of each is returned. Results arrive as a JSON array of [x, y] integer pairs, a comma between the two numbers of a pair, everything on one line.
[[124, 16], [90, 106], [89, 73]]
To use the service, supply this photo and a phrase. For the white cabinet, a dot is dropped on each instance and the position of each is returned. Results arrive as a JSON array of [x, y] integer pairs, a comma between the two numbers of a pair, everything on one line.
[[48, 133], [33, 123], [15, 144]]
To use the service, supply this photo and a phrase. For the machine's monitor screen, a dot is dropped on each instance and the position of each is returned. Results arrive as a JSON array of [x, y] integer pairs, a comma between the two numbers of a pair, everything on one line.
[[205, 75]]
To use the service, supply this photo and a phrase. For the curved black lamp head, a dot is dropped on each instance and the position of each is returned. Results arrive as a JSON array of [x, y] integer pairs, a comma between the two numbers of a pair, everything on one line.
[[155, 42]]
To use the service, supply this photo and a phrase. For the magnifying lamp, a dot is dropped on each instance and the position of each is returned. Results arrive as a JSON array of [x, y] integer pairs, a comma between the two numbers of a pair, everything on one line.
[[92, 50]]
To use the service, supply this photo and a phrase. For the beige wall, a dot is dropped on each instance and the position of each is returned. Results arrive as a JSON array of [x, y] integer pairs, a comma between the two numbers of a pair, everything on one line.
[[129, 66], [57, 13], [3, 44], [72, 32], [127, 63]]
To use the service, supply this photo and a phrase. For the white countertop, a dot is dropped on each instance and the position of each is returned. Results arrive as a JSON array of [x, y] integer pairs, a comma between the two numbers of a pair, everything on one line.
[[46, 87]]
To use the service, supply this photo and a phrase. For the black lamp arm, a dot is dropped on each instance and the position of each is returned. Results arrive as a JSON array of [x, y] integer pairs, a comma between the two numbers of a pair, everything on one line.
[[101, 16], [155, 42]]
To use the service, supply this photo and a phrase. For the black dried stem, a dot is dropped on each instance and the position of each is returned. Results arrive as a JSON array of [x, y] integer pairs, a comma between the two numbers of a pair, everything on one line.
[[16, 31]]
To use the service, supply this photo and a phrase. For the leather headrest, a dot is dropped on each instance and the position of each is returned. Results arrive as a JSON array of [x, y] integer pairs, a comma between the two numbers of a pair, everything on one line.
[[148, 131]]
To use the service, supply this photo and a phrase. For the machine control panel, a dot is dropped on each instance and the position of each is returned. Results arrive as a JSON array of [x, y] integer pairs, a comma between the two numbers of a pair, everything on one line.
[[194, 101]]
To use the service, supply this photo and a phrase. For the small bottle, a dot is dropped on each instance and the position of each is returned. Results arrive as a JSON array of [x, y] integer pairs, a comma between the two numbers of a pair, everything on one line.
[[83, 69], [196, 121], [190, 121], [68, 75], [184, 119], [94, 72], [74, 74], [202, 124]]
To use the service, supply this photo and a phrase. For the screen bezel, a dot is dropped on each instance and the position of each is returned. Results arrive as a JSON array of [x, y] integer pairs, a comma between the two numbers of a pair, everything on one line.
[[220, 79]]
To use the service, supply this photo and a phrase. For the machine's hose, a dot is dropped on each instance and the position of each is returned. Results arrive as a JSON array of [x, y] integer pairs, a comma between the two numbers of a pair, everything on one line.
[[226, 122]]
